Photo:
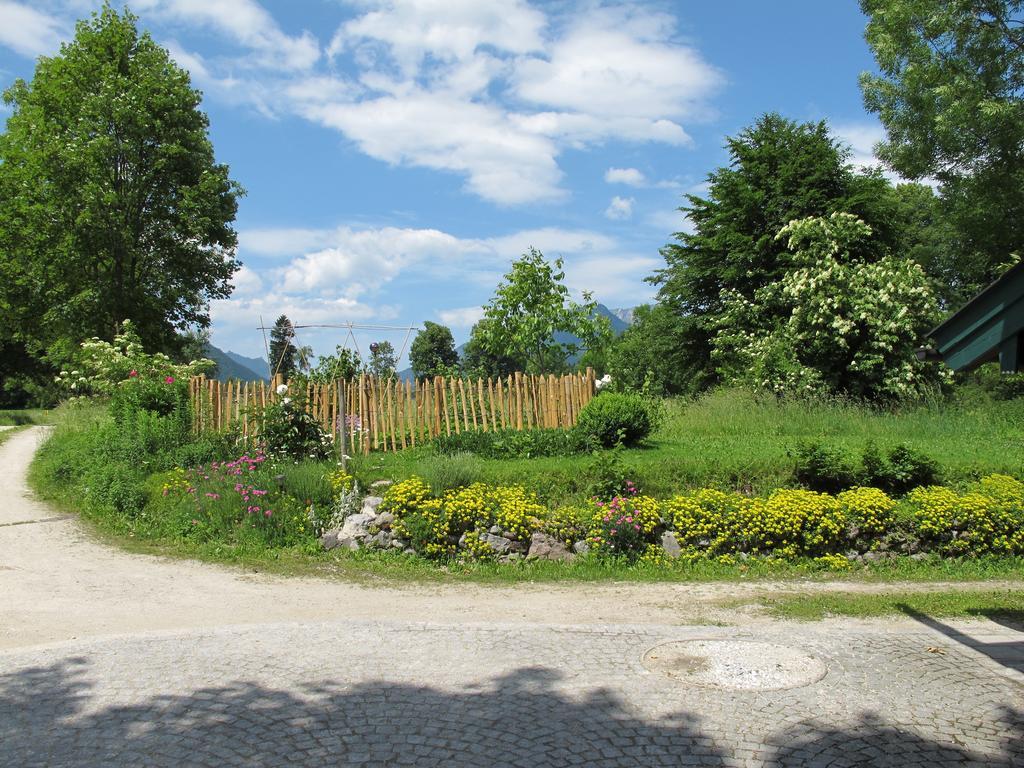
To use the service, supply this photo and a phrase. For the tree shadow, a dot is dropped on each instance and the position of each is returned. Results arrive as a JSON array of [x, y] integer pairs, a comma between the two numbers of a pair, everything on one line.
[[872, 742], [53, 716], [1009, 654], [49, 717]]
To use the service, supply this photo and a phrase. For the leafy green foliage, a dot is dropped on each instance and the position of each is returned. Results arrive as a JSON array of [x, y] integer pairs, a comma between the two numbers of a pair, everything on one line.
[[289, 431], [343, 364], [823, 468], [828, 469], [950, 94], [513, 444], [102, 368], [614, 417], [778, 171], [114, 205], [529, 306], [382, 360], [432, 352], [660, 354], [833, 323], [608, 475]]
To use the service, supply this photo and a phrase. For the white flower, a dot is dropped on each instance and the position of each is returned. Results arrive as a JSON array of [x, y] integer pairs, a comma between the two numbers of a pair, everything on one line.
[[286, 400], [282, 388]]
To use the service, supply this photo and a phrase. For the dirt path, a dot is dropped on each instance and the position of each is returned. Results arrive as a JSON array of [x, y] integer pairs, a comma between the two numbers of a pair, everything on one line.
[[58, 584]]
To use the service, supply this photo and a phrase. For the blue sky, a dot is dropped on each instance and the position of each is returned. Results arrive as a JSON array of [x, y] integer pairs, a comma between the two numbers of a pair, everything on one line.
[[399, 155]]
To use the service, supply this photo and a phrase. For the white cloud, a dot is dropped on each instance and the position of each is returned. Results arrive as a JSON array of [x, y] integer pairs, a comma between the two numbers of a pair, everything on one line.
[[629, 176], [552, 241], [619, 208], [861, 139], [431, 130], [246, 22], [246, 282], [463, 317], [445, 30], [495, 90], [615, 279], [28, 31], [615, 62], [363, 260]]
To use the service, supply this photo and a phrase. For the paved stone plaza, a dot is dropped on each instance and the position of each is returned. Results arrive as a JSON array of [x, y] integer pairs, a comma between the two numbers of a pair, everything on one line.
[[383, 693]]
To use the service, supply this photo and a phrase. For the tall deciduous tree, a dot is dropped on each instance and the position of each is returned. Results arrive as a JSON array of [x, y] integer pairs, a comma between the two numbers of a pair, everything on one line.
[[433, 351], [529, 307], [951, 97], [779, 171], [114, 206], [383, 360], [283, 351]]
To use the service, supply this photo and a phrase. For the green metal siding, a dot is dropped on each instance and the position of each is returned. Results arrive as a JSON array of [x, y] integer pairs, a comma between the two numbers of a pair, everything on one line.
[[989, 325]]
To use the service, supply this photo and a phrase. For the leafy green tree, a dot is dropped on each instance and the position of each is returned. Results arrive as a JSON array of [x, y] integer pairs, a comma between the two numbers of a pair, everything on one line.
[[927, 237], [343, 364], [383, 360], [835, 324], [655, 354], [779, 171], [432, 352], [950, 94], [478, 360], [529, 307], [114, 207], [283, 352]]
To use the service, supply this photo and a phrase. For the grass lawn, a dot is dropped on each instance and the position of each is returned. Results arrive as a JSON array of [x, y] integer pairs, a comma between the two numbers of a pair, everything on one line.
[[28, 416], [1004, 605], [733, 440]]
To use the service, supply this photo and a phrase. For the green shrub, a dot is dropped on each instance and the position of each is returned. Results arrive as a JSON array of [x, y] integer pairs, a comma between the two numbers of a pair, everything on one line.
[[289, 431], [513, 444], [823, 469], [617, 417], [445, 473], [902, 470], [828, 470], [607, 475]]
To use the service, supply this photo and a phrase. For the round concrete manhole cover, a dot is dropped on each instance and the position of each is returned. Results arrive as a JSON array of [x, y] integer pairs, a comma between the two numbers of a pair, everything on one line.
[[735, 665]]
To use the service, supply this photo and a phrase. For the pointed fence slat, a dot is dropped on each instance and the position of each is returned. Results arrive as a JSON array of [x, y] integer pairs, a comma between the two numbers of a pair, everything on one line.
[[370, 414]]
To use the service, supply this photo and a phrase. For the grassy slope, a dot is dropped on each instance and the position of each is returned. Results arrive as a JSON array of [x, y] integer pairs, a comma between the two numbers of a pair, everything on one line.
[[730, 439], [699, 441]]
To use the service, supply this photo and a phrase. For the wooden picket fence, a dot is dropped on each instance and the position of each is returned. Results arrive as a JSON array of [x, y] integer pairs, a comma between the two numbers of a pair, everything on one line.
[[370, 414]]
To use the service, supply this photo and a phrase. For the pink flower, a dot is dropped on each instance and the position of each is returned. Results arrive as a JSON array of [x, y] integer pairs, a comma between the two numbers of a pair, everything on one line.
[[133, 373], [268, 513], [169, 380]]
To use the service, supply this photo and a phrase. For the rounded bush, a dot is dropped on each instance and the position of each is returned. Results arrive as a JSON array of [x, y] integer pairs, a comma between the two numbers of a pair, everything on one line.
[[613, 417]]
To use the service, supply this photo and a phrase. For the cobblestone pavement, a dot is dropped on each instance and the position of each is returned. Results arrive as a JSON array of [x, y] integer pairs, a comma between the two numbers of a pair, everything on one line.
[[400, 693]]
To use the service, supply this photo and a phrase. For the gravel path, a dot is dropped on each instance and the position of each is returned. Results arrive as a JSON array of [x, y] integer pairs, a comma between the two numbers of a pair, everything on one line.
[[114, 659]]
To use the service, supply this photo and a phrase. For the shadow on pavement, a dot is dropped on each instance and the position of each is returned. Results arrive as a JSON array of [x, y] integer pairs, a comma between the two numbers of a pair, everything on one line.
[[1008, 653], [53, 716]]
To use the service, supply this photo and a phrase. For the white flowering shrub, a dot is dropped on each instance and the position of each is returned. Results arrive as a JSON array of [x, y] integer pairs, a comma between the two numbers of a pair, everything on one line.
[[102, 367], [834, 323]]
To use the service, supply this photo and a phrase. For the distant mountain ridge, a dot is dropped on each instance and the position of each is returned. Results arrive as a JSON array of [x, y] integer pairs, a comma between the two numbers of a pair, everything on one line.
[[231, 365]]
